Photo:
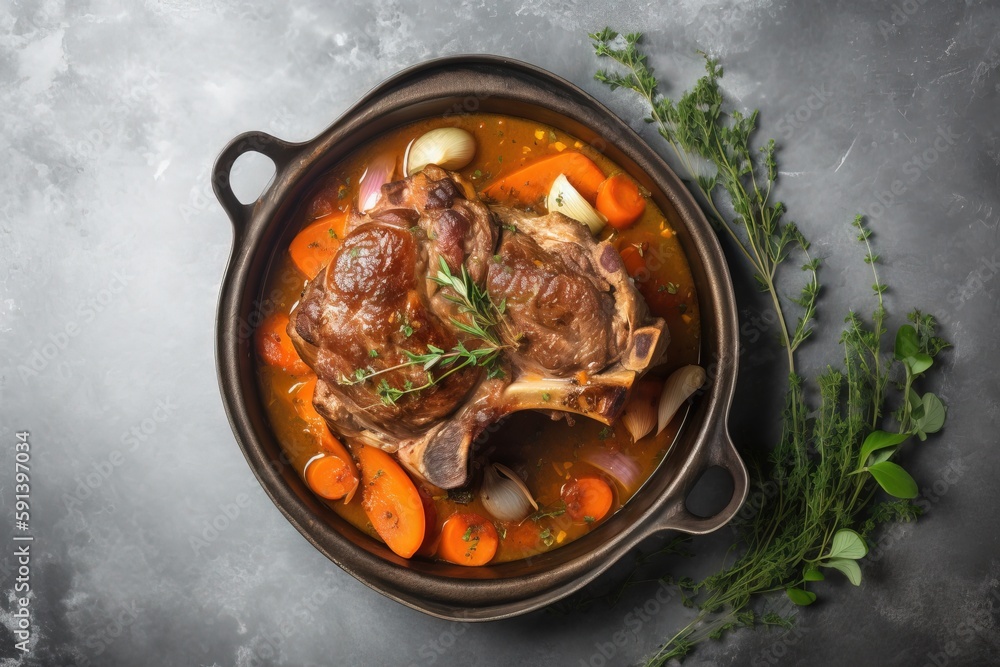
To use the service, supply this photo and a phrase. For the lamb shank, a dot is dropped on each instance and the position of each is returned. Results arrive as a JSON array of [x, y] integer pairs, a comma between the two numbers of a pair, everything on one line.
[[439, 315]]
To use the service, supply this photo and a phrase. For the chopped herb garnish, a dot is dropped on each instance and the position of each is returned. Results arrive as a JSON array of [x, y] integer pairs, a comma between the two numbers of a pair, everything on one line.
[[354, 252], [588, 519], [460, 496], [554, 512], [332, 233], [605, 433], [672, 288], [546, 396], [497, 258], [468, 534], [477, 173], [546, 537], [682, 307], [373, 353], [407, 330], [559, 199]]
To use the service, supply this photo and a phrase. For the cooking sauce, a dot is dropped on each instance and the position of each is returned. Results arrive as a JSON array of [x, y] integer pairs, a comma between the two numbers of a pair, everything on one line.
[[546, 454]]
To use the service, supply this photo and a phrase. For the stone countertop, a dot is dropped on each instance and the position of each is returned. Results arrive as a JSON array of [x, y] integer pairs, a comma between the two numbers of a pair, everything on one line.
[[113, 247]]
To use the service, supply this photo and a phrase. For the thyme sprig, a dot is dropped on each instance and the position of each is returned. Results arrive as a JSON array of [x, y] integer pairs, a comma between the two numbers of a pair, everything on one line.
[[484, 321], [698, 126], [816, 488]]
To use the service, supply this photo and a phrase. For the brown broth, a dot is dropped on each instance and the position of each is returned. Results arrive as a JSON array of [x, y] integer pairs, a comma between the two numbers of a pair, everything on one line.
[[547, 453]]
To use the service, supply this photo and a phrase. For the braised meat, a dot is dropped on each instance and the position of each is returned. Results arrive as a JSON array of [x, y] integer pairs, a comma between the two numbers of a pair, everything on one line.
[[571, 335]]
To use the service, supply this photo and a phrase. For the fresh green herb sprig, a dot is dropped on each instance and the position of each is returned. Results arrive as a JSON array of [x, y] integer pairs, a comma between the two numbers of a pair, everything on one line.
[[485, 321], [832, 459], [697, 126]]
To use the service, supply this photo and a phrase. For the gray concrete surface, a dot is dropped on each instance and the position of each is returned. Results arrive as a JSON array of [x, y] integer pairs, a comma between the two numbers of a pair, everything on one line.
[[112, 248]]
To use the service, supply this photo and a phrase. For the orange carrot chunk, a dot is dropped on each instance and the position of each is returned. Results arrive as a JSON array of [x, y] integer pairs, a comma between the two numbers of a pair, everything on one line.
[[330, 477], [633, 260], [347, 477], [619, 199], [468, 539], [391, 501], [315, 246], [587, 499], [275, 346], [532, 182]]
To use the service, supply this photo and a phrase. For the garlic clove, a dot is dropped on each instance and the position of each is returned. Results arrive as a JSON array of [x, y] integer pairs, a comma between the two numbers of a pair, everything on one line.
[[504, 495], [565, 199], [447, 147], [640, 414], [676, 390]]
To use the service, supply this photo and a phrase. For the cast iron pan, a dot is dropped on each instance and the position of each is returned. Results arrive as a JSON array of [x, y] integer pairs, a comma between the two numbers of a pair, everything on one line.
[[457, 85]]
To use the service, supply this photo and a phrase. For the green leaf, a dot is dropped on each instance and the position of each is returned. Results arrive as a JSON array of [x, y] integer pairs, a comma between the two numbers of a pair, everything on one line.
[[800, 597], [849, 567], [907, 342], [882, 455], [918, 363], [933, 417], [812, 573], [893, 479], [916, 405], [847, 544], [877, 440]]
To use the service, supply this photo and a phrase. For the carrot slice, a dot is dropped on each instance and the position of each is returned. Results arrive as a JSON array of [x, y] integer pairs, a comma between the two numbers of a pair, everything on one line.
[[468, 539], [587, 498], [391, 501], [330, 477], [347, 477], [619, 199], [316, 245], [633, 260], [275, 346], [532, 182], [429, 545]]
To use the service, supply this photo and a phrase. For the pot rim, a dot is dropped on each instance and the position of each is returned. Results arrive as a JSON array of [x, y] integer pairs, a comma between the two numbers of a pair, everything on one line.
[[441, 593]]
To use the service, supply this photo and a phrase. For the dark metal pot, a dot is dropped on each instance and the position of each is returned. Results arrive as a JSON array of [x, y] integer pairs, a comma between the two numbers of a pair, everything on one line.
[[448, 86]]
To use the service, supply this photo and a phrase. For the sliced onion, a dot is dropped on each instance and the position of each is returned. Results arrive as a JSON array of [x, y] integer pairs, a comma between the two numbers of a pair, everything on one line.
[[676, 390], [564, 198], [618, 466], [447, 147], [504, 495], [378, 173]]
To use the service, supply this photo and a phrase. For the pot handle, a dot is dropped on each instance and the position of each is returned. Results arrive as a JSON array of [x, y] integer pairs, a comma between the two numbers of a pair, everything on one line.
[[280, 152], [723, 454]]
